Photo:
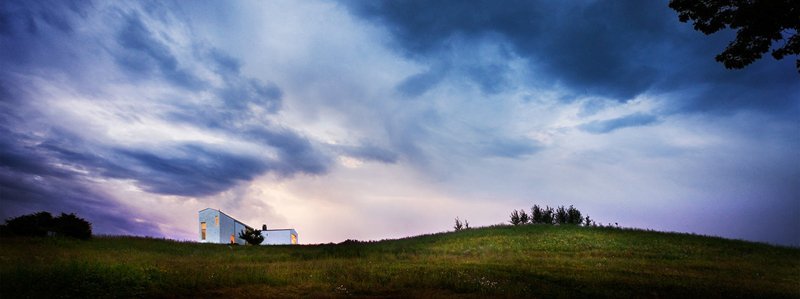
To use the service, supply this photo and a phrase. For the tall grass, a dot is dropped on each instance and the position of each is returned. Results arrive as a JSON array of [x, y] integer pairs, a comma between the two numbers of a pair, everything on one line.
[[528, 261]]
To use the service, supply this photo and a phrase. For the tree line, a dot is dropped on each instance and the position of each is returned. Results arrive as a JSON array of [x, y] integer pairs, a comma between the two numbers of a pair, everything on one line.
[[44, 224], [548, 215], [542, 215]]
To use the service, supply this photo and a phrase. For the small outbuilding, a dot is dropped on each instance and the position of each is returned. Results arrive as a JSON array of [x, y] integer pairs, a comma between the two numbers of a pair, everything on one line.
[[286, 236]]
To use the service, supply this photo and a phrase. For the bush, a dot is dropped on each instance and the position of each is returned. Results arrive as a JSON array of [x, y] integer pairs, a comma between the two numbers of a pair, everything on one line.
[[523, 217], [574, 216], [42, 223], [252, 236], [547, 215], [561, 215], [458, 226], [32, 225], [587, 221], [72, 226], [536, 214], [515, 218]]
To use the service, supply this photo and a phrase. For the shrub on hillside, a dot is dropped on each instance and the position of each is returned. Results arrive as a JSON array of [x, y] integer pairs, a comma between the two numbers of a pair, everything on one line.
[[458, 226], [523, 217], [32, 225], [252, 236], [561, 215], [515, 218], [42, 223], [72, 226], [574, 216], [547, 215], [587, 221], [536, 214]]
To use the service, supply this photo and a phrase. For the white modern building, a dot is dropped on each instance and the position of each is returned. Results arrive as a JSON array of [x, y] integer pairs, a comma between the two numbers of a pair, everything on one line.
[[220, 228]]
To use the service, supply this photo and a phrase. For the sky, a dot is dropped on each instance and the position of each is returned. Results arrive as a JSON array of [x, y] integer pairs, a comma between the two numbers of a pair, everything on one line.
[[372, 120]]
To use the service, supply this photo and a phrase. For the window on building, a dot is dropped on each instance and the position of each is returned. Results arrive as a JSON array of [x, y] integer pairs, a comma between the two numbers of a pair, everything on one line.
[[216, 220], [202, 230], [294, 239]]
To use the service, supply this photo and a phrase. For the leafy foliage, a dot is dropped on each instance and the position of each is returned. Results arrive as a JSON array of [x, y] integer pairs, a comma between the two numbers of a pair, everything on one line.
[[515, 219], [758, 25], [523, 217], [252, 236], [574, 216], [561, 215], [42, 223], [536, 214], [32, 225], [72, 226], [547, 215], [458, 226]]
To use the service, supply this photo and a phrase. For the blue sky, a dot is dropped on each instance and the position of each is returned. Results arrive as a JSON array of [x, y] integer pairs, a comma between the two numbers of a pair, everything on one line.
[[372, 120]]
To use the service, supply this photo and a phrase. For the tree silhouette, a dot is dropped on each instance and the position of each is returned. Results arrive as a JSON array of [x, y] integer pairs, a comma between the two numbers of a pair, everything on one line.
[[458, 226], [515, 217], [252, 236], [759, 23], [42, 224]]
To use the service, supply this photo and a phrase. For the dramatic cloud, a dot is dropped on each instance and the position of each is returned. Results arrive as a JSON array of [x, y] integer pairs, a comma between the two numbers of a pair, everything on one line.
[[617, 50], [363, 119], [606, 126]]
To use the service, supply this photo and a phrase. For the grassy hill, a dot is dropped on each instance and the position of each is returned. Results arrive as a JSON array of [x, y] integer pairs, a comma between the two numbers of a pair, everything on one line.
[[528, 261]]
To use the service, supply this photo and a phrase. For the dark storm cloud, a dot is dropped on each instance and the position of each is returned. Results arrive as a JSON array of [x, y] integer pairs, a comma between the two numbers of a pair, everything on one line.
[[369, 152], [142, 53], [616, 49], [296, 154], [33, 179], [632, 120], [24, 193], [509, 148], [193, 170], [224, 63], [31, 30], [48, 164], [418, 84]]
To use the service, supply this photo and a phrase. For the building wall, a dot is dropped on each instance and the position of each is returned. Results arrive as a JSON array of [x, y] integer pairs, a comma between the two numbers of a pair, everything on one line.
[[279, 237], [239, 227], [217, 231], [226, 228], [212, 229]]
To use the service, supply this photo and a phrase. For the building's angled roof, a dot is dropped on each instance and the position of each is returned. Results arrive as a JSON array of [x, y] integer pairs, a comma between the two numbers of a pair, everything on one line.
[[223, 213]]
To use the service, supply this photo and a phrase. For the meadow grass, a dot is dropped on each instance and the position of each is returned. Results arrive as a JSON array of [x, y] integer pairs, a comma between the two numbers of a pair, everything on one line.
[[538, 261]]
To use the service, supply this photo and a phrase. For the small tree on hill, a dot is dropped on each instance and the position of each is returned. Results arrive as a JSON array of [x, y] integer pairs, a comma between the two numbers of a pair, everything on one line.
[[587, 221], [466, 224], [574, 216], [42, 224], [547, 215], [458, 226], [32, 225], [72, 226], [515, 218], [252, 236], [561, 215], [523, 217], [536, 214]]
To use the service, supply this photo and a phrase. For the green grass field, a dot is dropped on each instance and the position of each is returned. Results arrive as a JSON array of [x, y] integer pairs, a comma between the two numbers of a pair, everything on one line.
[[529, 261]]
